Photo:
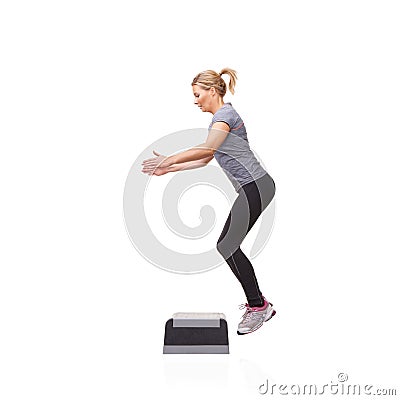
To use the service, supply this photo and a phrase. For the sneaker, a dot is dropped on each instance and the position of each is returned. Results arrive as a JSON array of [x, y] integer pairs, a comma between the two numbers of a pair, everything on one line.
[[254, 317]]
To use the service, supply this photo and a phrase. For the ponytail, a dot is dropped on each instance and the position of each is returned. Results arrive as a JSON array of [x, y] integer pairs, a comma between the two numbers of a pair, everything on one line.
[[208, 79], [232, 78]]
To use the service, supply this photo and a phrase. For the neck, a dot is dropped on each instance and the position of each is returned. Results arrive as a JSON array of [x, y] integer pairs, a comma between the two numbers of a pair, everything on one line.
[[217, 106]]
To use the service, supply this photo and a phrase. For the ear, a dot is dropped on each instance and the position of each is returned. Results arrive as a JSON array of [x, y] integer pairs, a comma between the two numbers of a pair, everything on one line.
[[212, 91]]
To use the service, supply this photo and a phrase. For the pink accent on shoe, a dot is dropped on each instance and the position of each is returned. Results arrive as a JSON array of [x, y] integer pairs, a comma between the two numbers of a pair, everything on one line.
[[260, 308]]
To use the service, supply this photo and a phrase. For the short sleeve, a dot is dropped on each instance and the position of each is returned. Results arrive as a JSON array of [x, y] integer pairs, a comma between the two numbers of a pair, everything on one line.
[[227, 115]]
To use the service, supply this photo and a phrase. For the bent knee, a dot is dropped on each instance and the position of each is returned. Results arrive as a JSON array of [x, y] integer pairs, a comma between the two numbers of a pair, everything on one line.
[[226, 251], [219, 247]]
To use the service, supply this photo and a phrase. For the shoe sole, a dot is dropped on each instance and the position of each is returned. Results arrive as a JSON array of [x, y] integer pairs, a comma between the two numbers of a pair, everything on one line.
[[246, 333]]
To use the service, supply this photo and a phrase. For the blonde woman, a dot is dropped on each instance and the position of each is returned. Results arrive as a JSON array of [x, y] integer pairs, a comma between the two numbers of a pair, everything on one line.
[[227, 142]]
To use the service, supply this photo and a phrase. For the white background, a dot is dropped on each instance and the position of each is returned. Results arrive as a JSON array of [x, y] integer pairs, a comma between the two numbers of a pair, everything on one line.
[[86, 86]]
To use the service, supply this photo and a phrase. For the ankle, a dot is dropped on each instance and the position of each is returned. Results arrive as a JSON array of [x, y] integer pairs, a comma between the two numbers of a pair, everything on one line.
[[258, 305]]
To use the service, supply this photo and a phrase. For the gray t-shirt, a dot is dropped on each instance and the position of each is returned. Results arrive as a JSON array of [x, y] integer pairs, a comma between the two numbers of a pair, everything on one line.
[[234, 155]]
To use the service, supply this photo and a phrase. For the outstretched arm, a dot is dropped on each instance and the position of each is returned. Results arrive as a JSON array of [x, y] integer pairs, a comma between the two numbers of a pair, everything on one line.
[[190, 164], [216, 137], [178, 167], [194, 154]]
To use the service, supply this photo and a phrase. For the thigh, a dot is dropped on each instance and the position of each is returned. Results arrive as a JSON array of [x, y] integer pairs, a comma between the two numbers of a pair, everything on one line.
[[245, 210], [261, 192], [253, 199], [255, 203]]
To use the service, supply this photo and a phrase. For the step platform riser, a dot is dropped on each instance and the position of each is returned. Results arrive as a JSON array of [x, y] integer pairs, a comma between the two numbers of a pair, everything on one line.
[[196, 333]]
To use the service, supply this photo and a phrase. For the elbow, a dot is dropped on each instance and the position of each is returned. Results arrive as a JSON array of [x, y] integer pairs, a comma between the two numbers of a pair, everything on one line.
[[208, 159], [207, 153]]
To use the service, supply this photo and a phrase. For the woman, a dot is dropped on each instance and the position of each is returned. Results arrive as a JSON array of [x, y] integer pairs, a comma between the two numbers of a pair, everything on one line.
[[227, 142]]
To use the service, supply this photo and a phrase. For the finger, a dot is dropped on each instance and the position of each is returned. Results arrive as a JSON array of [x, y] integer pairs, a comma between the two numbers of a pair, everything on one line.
[[147, 159], [152, 158], [153, 162], [150, 163], [149, 167]]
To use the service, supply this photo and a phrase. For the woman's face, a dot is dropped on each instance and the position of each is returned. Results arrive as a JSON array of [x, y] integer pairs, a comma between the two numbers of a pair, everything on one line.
[[202, 98]]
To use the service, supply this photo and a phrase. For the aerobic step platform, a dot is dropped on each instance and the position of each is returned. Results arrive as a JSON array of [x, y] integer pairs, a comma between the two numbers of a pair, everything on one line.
[[196, 333]]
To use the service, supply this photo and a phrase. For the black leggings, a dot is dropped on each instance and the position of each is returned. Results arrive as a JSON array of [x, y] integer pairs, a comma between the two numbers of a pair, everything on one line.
[[253, 198]]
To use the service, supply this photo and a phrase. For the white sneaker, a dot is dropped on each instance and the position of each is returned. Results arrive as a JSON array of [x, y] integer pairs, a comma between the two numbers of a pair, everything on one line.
[[254, 317]]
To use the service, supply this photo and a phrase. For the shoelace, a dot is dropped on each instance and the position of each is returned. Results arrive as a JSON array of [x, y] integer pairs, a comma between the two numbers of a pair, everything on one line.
[[249, 314]]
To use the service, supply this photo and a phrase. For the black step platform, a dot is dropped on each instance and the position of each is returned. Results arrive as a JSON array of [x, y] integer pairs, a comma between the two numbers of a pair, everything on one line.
[[196, 333]]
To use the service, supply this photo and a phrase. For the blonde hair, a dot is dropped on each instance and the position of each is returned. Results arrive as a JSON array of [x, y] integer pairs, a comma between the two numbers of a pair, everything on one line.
[[209, 78]]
